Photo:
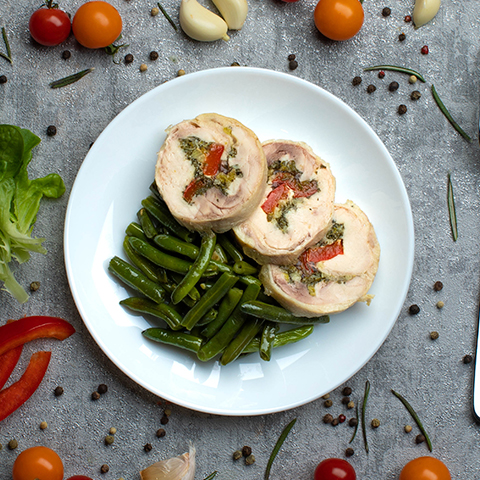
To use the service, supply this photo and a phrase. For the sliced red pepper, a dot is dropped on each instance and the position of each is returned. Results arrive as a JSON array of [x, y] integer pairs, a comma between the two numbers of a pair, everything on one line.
[[7, 363], [213, 160], [274, 197], [19, 392], [30, 328], [192, 189], [312, 256]]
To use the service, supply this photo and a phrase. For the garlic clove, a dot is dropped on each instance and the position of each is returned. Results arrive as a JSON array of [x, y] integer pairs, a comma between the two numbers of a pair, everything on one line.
[[176, 468], [424, 11], [200, 23], [234, 12]]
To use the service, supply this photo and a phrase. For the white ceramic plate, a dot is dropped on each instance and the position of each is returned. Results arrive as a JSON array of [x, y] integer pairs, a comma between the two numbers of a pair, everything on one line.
[[116, 176]]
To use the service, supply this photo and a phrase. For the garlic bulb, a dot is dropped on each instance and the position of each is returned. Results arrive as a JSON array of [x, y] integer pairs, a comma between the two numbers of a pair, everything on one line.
[[200, 23], [424, 11], [176, 468], [234, 12]]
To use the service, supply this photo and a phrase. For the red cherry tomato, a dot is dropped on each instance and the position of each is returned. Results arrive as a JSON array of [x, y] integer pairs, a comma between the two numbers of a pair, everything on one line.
[[334, 469], [38, 462], [425, 468], [49, 26], [79, 477], [339, 19], [97, 24]]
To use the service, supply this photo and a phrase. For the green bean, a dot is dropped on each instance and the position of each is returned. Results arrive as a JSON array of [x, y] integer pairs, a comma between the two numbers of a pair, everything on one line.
[[283, 338], [146, 223], [230, 328], [219, 254], [183, 340], [210, 316], [267, 340], [230, 248], [160, 310], [153, 188], [249, 280], [136, 279], [146, 267], [194, 294], [227, 305], [158, 257], [163, 215], [234, 349], [172, 244], [198, 268], [279, 314], [211, 297], [244, 268], [220, 267], [135, 230]]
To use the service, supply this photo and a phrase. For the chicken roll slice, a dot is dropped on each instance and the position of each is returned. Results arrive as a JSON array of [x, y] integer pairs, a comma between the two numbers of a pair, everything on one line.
[[211, 171], [332, 275], [296, 209]]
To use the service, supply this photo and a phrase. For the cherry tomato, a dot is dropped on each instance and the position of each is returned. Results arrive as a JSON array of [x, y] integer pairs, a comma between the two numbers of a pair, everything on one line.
[[79, 477], [339, 19], [334, 469], [97, 24], [425, 468], [49, 26], [38, 462]]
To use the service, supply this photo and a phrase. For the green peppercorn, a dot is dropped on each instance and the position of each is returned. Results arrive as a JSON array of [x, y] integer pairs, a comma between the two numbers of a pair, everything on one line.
[[328, 403], [375, 423], [109, 439], [12, 444], [237, 455], [250, 460], [434, 335], [34, 286]]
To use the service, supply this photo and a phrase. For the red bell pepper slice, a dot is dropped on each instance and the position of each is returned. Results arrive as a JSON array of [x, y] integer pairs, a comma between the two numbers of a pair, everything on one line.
[[192, 189], [274, 197], [213, 160], [30, 328], [7, 363], [19, 392], [314, 255]]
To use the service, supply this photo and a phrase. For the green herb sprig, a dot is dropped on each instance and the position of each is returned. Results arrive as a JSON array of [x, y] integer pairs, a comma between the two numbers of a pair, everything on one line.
[[395, 68], [7, 56], [167, 16], [70, 79], [277, 447], [211, 476], [356, 426], [451, 209], [415, 417], [364, 407]]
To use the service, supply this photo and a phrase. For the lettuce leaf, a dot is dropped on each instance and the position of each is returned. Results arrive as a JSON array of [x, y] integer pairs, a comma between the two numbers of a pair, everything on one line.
[[19, 203]]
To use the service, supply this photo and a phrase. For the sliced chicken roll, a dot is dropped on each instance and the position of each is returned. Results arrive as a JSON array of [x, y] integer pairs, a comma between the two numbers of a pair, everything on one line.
[[332, 275], [211, 171], [296, 209]]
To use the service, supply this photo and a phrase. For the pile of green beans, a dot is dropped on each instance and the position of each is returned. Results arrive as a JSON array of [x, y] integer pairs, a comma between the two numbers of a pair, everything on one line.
[[201, 287]]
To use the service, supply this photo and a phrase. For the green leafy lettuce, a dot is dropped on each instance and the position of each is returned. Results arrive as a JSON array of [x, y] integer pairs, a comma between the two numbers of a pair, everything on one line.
[[19, 203]]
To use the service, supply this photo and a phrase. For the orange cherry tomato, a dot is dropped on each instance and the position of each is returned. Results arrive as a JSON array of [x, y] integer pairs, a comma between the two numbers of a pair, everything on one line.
[[38, 463], [425, 468], [97, 24], [339, 19]]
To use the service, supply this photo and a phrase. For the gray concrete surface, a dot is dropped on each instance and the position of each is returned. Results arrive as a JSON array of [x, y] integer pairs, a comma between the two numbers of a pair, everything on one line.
[[425, 148]]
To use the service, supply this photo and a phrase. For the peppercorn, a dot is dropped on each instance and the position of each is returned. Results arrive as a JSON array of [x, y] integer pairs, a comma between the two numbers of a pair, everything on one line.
[[353, 422], [128, 58], [66, 54], [180, 73], [412, 79], [371, 88], [350, 404], [419, 438], [250, 460], [234, 64], [154, 11], [408, 18], [375, 423], [109, 439], [345, 400], [51, 130], [237, 455], [167, 412], [349, 452], [12, 444], [95, 396], [356, 81], [34, 286], [386, 12], [43, 425], [292, 65], [328, 403], [291, 57], [246, 451], [153, 55], [381, 74], [164, 420], [58, 391], [102, 388], [393, 86], [3, 79], [1, 446], [437, 286], [327, 418], [326, 396], [434, 335], [402, 109], [335, 422], [424, 50], [342, 418], [112, 431], [415, 95], [346, 391], [408, 428], [143, 67], [104, 468], [147, 447], [467, 359], [413, 309], [402, 37], [440, 304], [160, 433]]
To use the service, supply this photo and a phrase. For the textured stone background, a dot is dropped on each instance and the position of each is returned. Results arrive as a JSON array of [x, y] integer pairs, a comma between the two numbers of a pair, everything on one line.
[[425, 148]]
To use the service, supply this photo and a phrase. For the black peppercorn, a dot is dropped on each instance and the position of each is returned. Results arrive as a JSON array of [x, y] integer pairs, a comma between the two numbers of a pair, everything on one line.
[[58, 391], [467, 359], [347, 391], [3, 79], [293, 64], [419, 438], [353, 422], [160, 433], [386, 12], [104, 468], [235, 64], [327, 418], [356, 81], [437, 286], [102, 388], [153, 55], [128, 58], [345, 400], [335, 422], [349, 452], [402, 37], [164, 420], [371, 88], [147, 447], [415, 95], [95, 396], [413, 309], [291, 57], [51, 130], [328, 403], [246, 451], [66, 54], [393, 86]]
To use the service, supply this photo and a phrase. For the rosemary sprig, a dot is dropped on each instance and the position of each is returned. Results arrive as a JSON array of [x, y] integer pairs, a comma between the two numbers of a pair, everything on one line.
[[211, 476], [444, 110], [395, 68], [71, 78], [364, 406], [8, 56], [451, 209], [167, 16], [415, 417], [277, 447], [356, 426]]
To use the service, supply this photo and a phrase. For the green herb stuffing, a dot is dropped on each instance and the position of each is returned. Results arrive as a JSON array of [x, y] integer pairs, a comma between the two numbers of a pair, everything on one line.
[[19, 203]]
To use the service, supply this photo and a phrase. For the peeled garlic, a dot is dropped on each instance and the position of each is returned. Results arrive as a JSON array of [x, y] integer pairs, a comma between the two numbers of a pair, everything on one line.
[[200, 23], [424, 11], [176, 468], [234, 12]]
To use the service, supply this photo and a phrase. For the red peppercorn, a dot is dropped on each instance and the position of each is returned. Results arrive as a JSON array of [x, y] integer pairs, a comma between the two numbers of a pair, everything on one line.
[[381, 74], [424, 50], [408, 18], [342, 418]]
